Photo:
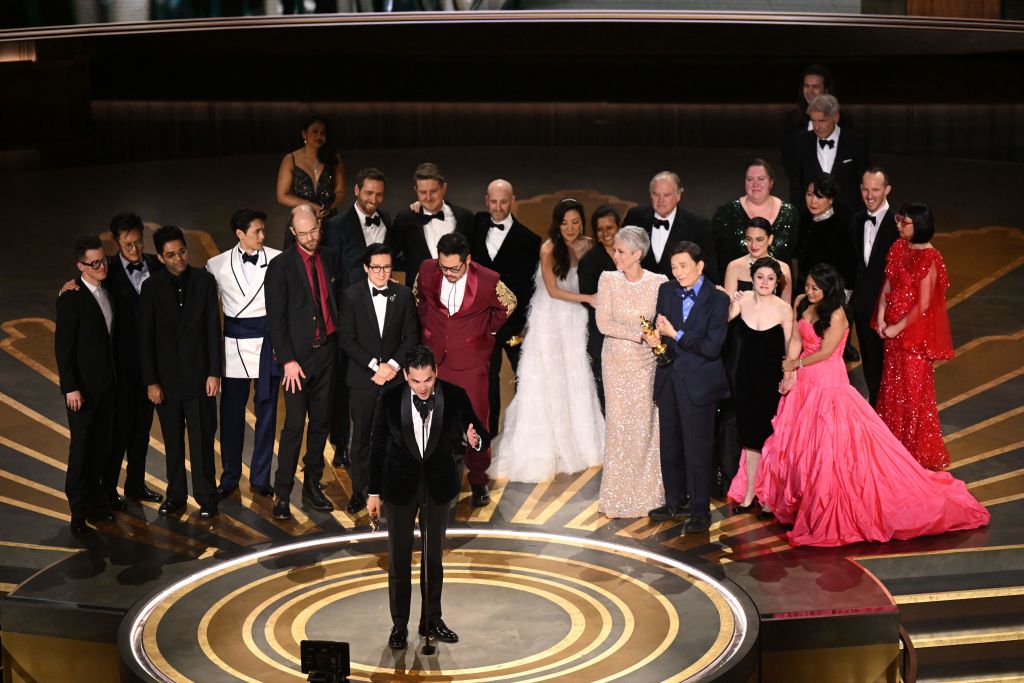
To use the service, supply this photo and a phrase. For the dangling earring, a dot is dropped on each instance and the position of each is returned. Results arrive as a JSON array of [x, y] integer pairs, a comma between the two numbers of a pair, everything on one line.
[[303, 140]]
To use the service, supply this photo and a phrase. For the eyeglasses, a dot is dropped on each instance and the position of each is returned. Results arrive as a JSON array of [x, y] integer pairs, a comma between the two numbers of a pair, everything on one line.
[[176, 254], [900, 220], [131, 246], [382, 269], [95, 265], [451, 270], [309, 233]]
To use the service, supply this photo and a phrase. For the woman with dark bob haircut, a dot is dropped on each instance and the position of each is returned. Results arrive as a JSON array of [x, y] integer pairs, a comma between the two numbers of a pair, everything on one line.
[[911, 319], [831, 468]]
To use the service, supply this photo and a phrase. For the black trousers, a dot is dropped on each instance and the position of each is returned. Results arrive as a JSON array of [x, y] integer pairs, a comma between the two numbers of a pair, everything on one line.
[[871, 353], [364, 401], [89, 454], [494, 378], [433, 526], [130, 437], [340, 430], [312, 400], [687, 434], [199, 417], [234, 398], [595, 344]]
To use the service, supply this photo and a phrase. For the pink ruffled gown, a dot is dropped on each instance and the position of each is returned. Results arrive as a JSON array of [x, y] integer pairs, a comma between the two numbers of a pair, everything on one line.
[[835, 472]]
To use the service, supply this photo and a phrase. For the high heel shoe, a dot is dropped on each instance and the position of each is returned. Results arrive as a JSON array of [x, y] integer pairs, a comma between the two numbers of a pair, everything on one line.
[[740, 509], [765, 514]]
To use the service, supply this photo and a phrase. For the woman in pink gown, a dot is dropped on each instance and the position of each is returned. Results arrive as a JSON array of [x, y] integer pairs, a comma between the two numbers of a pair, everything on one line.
[[832, 469]]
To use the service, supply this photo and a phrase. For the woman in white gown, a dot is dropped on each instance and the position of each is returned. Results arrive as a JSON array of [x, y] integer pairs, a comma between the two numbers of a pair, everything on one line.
[[554, 424]]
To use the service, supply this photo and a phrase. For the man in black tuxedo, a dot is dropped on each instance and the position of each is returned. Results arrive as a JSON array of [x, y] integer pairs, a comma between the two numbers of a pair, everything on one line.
[[416, 234], [181, 367], [668, 224], [349, 234], [692, 320], [503, 244], [417, 428], [829, 148], [378, 327], [84, 346], [303, 313], [874, 232]]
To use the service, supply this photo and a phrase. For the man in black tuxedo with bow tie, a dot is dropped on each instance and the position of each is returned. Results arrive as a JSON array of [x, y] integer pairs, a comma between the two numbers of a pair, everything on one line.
[[416, 234], [828, 148], [506, 246], [417, 428], [668, 224], [378, 327], [874, 232], [84, 349]]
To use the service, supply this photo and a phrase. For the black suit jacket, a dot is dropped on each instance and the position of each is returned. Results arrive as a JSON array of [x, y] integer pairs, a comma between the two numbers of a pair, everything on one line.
[[128, 335], [869, 278], [852, 159], [516, 263], [290, 306], [686, 226], [344, 234], [698, 361], [410, 242], [360, 336], [181, 346], [396, 467], [84, 348]]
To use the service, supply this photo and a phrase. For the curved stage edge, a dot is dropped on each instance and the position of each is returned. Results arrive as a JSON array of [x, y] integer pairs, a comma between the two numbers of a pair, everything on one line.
[[557, 607]]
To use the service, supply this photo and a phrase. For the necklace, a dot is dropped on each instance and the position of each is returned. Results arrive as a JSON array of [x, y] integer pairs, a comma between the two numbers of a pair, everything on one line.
[[824, 215]]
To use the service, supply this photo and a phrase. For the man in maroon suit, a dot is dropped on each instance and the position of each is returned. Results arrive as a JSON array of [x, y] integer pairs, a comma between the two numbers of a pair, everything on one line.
[[459, 314]]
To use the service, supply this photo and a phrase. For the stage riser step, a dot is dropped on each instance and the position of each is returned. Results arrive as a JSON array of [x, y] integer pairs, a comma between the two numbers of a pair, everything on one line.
[[970, 662], [930, 617]]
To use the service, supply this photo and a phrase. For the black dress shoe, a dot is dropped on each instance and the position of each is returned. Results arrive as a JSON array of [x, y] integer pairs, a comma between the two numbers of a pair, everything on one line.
[[78, 525], [356, 503], [208, 510], [116, 501], [850, 354], [143, 493], [399, 638], [314, 497], [171, 507], [741, 509], [281, 509], [265, 491], [698, 524], [765, 514], [100, 515], [438, 631], [666, 513], [225, 491], [341, 458], [481, 496]]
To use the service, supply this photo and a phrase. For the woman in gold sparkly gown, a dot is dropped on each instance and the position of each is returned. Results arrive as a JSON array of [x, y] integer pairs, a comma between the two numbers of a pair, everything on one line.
[[631, 482]]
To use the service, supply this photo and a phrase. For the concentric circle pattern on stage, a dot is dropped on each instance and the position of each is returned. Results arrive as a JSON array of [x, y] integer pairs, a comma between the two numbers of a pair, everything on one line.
[[527, 607]]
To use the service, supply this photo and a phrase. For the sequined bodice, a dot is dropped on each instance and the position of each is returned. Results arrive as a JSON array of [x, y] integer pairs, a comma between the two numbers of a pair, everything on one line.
[[302, 186]]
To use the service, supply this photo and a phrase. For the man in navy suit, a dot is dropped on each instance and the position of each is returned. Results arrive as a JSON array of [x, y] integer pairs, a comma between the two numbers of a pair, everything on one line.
[[692, 320]]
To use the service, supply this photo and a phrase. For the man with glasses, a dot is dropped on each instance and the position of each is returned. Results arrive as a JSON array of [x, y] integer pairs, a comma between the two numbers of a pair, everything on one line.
[[303, 315], [461, 306], [377, 328], [83, 345], [181, 366]]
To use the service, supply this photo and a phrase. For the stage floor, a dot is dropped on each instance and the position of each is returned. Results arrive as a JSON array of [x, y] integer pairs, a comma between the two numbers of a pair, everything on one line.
[[931, 579]]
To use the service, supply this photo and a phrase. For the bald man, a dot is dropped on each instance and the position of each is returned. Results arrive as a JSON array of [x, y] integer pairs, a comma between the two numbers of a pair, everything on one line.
[[505, 245]]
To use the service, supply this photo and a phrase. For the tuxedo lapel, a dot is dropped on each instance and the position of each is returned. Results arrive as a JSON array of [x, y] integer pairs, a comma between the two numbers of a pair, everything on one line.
[[366, 297], [436, 423], [93, 306], [405, 413], [300, 268], [880, 238], [472, 282], [699, 302]]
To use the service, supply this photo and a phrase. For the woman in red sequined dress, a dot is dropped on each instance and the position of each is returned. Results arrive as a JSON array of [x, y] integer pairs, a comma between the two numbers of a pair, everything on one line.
[[911, 318]]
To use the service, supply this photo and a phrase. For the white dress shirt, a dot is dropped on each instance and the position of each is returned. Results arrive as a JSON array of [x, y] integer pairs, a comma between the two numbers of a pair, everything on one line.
[[420, 427], [452, 293], [659, 236], [137, 277], [871, 231], [373, 234], [103, 299], [496, 237], [380, 309], [435, 229], [826, 154], [248, 269]]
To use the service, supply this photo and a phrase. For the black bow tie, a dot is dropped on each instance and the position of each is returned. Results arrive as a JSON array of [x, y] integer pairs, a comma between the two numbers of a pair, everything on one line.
[[372, 220], [686, 293], [250, 258], [381, 292], [135, 267], [870, 218], [423, 407], [658, 223], [499, 226], [427, 217], [826, 143]]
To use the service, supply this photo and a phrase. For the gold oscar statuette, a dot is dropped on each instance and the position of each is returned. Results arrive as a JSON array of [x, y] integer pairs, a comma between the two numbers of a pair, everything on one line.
[[660, 352]]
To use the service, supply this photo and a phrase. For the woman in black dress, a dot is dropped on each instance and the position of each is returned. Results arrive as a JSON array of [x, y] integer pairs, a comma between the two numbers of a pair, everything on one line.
[[314, 173], [606, 223], [825, 232], [764, 327]]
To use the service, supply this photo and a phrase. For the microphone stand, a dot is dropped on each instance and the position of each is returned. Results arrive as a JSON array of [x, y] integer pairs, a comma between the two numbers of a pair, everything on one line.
[[428, 647]]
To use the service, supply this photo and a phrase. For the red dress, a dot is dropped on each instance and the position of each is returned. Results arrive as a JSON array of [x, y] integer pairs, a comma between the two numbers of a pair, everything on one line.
[[917, 290]]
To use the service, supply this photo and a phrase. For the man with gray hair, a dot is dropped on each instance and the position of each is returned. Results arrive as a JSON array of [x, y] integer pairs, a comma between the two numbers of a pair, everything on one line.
[[829, 149]]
